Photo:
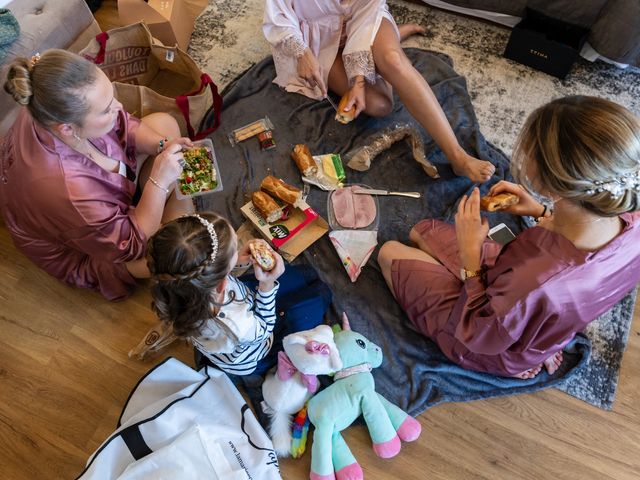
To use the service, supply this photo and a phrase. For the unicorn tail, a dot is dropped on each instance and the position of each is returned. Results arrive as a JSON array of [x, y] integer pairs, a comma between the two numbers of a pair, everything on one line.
[[280, 431]]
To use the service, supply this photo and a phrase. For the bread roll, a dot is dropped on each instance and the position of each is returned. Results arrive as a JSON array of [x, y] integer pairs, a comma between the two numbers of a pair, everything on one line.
[[279, 189], [348, 116], [302, 156], [263, 256], [267, 206], [498, 202]]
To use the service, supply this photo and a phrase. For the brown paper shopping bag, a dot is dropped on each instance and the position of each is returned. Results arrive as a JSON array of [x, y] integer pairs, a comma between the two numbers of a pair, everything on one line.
[[149, 77]]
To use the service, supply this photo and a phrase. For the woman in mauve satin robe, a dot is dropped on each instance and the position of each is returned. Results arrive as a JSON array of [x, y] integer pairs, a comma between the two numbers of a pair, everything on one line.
[[510, 310], [68, 174], [353, 47]]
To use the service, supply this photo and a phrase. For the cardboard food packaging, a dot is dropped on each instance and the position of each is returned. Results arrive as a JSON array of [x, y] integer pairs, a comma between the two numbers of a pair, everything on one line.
[[170, 21], [292, 236]]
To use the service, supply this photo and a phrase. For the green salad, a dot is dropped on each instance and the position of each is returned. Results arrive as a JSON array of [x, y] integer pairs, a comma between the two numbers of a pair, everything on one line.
[[198, 175]]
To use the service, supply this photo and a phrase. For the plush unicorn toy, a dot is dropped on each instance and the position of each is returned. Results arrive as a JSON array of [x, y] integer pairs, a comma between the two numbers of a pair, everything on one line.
[[306, 354], [339, 405]]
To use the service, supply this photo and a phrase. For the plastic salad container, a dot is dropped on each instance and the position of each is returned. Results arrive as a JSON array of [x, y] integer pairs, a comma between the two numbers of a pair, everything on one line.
[[201, 174]]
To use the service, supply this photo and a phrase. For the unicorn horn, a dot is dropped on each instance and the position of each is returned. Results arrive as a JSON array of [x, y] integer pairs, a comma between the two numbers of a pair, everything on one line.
[[345, 322]]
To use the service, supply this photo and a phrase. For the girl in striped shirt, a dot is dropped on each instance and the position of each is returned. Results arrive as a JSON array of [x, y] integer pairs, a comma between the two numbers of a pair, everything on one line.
[[191, 259]]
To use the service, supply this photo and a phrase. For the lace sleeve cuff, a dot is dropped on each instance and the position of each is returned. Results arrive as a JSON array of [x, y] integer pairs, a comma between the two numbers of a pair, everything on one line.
[[291, 46], [360, 63]]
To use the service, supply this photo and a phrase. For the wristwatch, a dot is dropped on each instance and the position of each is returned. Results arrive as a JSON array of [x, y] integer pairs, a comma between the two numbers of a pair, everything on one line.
[[464, 273]]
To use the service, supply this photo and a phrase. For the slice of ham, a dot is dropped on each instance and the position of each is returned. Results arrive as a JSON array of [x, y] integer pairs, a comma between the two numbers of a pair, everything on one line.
[[351, 210]]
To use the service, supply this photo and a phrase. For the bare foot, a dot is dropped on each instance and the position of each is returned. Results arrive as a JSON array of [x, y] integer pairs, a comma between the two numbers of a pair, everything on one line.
[[527, 374], [409, 29], [478, 171], [553, 362]]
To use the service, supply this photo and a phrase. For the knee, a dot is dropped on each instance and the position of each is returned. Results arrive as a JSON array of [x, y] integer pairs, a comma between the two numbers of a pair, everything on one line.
[[393, 59], [387, 253], [379, 106], [162, 123]]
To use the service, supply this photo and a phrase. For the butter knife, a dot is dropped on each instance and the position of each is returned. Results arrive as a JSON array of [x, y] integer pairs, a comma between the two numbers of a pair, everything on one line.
[[328, 99], [365, 191]]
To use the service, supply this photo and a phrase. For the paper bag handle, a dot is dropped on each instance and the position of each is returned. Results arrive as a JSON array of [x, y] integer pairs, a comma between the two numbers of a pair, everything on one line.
[[182, 101]]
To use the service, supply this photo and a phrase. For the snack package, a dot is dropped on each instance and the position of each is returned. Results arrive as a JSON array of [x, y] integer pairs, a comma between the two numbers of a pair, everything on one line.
[[330, 173], [361, 157], [250, 130]]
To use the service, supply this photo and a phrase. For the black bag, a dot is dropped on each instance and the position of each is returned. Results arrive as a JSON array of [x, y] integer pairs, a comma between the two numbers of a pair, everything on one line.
[[545, 43]]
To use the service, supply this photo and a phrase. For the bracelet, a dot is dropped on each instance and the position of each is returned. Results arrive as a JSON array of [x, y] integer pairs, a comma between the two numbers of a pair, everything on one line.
[[543, 214], [161, 145], [155, 182]]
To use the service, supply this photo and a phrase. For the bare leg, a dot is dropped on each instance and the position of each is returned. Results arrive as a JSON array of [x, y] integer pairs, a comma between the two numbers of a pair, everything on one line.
[[393, 250], [553, 362], [165, 125], [378, 97], [418, 98]]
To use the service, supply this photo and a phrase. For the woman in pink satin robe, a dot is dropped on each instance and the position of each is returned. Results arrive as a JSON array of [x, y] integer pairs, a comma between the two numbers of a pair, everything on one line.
[[69, 174], [352, 47], [511, 309]]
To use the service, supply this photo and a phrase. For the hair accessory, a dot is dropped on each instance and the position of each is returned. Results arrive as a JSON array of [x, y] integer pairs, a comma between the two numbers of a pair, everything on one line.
[[35, 59], [617, 186], [212, 233]]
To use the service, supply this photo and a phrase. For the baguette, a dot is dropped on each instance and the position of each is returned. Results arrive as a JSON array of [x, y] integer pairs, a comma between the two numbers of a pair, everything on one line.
[[267, 206], [302, 156], [498, 202], [342, 116], [263, 256], [279, 189]]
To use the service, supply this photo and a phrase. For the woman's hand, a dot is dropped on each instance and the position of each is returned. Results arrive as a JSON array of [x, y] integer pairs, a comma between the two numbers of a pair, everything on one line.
[[527, 204], [471, 230], [167, 165], [356, 96], [309, 70]]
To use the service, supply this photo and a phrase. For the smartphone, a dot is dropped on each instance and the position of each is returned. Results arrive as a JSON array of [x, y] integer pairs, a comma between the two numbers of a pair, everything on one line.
[[501, 234]]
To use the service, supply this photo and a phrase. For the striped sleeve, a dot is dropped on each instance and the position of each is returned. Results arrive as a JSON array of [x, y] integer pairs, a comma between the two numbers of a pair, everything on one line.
[[244, 358]]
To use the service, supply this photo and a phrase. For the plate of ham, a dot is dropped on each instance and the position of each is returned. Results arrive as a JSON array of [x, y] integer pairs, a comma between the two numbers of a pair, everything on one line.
[[348, 211]]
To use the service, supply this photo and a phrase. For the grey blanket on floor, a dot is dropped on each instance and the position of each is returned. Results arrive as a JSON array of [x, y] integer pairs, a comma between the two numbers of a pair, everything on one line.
[[415, 374]]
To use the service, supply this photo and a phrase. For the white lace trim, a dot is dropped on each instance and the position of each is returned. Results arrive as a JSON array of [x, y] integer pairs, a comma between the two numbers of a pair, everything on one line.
[[291, 46], [360, 63]]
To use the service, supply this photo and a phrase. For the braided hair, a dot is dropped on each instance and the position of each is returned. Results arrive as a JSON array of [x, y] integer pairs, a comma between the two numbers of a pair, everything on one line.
[[184, 275]]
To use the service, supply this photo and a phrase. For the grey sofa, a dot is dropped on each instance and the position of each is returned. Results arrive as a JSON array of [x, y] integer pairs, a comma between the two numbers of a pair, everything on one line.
[[44, 24], [614, 24]]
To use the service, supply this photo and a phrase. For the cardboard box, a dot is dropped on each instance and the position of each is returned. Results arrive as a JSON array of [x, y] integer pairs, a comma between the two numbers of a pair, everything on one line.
[[545, 43], [292, 236], [170, 21]]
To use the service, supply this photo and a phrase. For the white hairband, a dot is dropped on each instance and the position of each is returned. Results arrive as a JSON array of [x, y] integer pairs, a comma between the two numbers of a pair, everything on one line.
[[212, 233]]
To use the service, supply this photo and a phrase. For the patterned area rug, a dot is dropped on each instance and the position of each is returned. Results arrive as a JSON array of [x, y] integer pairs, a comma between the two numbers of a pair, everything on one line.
[[228, 39]]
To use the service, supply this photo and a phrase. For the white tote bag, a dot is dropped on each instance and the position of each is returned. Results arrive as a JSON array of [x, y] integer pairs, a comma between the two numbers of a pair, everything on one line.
[[183, 424]]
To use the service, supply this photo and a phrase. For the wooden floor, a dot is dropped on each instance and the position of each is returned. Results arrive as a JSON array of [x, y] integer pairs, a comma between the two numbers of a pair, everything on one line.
[[65, 374]]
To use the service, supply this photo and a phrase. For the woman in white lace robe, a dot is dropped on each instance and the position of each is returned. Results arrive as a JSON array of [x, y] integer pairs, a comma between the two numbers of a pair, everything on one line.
[[354, 46]]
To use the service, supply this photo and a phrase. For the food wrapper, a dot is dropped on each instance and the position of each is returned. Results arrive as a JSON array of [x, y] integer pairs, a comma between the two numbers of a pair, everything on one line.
[[354, 248], [361, 157], [330, 175], [155, 340], [250, 130]]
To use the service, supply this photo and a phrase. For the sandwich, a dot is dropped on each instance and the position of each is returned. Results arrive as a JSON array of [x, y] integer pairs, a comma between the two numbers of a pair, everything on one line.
[[281, 190], [305, 162], [267, 206], [263, 256], [348, 116], [492, 203]]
